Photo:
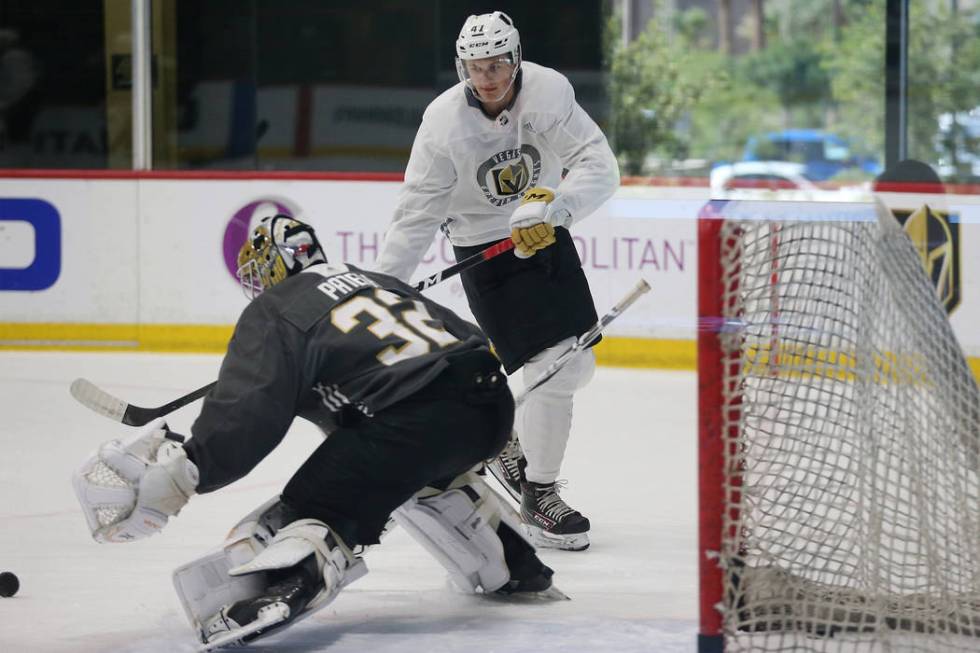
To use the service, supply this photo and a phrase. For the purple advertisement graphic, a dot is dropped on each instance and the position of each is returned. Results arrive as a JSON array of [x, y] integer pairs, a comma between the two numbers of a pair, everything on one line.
[[615, 250], [244, 220], [620, 252]]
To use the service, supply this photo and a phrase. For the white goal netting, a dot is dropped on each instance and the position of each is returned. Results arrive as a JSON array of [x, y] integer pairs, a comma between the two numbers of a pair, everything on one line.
[[852, 514]]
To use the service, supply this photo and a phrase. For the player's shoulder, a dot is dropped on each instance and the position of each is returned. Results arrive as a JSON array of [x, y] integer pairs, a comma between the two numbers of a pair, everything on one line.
[[305, 298], [449, 103], [542, 81], [445, 119], [545, 91]]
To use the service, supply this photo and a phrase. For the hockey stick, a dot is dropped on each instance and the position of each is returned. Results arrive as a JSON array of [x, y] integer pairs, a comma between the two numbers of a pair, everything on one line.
[[95, 398], [580, 343], [470, 261], [583, 340]]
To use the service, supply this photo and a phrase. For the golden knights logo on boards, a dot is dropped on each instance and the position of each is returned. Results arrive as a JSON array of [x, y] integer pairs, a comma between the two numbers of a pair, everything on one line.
[[936, 236]]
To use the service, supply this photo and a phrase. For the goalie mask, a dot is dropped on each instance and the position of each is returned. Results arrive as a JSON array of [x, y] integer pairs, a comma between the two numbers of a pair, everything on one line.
[[495, 42], [278, 248]]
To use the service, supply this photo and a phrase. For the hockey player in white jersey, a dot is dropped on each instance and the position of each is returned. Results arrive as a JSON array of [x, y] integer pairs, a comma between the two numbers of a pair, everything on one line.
[[509, 152]]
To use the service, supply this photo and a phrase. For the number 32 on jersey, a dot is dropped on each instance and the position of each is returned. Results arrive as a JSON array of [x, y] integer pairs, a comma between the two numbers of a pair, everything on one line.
[[410, 324]]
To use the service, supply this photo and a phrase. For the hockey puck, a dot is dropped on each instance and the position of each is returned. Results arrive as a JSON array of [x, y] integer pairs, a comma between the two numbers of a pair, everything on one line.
[[9, 584]]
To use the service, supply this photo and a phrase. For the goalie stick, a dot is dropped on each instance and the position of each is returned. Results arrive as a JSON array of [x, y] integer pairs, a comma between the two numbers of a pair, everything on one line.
[[95, 398]]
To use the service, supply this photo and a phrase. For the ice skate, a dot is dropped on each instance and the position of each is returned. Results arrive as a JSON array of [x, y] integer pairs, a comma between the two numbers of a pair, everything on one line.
[[550, 522]]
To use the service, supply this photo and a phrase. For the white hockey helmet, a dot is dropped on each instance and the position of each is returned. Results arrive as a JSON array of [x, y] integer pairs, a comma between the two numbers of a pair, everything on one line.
[[279, 247], [484, 36]]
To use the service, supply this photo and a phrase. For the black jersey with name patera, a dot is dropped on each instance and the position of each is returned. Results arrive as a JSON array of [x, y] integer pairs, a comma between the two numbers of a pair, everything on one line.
[[329, 337]]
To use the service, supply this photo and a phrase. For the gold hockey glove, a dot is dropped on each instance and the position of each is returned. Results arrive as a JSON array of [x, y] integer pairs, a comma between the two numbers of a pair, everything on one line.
[[530, 228]]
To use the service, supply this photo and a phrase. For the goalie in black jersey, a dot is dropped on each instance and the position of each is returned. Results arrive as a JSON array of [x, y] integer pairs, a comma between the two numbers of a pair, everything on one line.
[[412, 402]]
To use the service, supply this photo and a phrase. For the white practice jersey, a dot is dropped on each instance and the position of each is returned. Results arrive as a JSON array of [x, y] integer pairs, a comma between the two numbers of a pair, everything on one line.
[[469, 171]]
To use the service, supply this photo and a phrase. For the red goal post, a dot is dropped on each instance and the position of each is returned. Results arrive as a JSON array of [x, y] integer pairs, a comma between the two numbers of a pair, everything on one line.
[[838, 437]]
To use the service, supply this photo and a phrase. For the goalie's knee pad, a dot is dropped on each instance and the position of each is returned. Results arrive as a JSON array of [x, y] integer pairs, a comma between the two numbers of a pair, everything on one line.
[[476, 536]]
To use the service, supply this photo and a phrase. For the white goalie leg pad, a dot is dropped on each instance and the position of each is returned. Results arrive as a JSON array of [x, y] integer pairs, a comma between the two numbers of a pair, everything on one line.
[[501, 510], [204, 585], [292, 545], [459, 528], [296, 542]]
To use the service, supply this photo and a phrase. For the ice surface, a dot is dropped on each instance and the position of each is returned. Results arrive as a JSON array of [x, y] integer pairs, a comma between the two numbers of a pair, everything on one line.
[[631, 468]]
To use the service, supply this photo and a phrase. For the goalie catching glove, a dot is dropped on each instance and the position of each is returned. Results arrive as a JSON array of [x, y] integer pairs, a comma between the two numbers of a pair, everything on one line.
[[532, 225], [128, 489]]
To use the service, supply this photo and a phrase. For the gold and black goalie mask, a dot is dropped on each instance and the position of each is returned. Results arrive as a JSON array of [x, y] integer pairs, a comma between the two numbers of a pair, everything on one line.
[[279, 247], [260, 265]]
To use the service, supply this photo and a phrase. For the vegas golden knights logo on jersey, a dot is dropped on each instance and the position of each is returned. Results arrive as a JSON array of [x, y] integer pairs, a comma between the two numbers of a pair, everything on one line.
[[510, 179], [506, 174], [936, 237]]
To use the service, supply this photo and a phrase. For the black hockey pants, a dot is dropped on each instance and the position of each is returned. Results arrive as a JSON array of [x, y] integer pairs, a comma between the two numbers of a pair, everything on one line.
[[527, 305]]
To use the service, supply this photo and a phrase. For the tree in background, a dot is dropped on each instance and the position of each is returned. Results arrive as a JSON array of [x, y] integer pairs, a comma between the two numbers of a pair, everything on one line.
[[676, 93], [943, 65], [654, 87], [733, 107]]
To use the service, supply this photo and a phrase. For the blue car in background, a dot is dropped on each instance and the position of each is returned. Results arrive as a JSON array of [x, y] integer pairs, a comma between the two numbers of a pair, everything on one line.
[[822, 154]]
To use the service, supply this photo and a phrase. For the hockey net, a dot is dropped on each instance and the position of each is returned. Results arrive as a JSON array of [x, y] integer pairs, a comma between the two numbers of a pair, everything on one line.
[[840, 502]]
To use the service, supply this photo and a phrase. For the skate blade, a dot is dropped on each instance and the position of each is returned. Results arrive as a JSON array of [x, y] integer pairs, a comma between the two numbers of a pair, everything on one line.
[[550, 594], [268, 617], [545, 540]]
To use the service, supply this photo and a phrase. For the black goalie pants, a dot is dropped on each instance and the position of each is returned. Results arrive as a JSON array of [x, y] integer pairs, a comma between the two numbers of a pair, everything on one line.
[[361, 473]]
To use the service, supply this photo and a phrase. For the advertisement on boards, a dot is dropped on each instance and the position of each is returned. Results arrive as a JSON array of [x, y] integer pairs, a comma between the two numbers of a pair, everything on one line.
[[30, 244], [162, 251]]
